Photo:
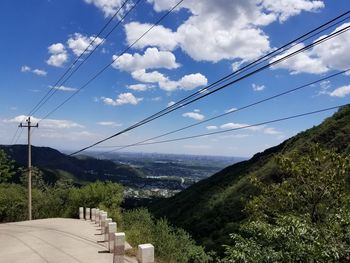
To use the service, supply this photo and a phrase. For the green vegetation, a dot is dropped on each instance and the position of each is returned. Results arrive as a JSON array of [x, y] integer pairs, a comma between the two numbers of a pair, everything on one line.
[[63, 200], [171, 244], [215, 207], [303, 217]]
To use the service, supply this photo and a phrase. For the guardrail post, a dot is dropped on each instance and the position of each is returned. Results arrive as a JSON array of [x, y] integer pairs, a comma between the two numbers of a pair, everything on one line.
[[97, 215], [145, 253], [81, 212], [112, 228], [119, 248], [87, 214], [107, 221], [103, 221], [93, 214]]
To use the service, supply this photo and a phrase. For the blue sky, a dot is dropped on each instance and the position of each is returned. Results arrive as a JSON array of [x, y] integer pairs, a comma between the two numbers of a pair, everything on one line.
[[198, 43]]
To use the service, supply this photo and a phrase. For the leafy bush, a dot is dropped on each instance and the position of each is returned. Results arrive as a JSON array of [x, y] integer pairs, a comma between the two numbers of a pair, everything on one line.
[[303, 217], [171, 244]]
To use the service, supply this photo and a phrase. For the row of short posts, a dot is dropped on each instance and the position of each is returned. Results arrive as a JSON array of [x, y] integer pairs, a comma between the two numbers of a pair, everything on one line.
[[115, 242]]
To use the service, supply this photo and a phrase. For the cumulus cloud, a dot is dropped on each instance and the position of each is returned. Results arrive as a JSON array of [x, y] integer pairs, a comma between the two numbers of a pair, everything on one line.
[[258, 87], [271, 131], [78, 43], [171, 103], [109, 123], [39, 72], [212, 127], [151, 59], [109, 7], [340, 92], [187, 82], [123, 98], [140, 87], [329, 55], [48, 123], [233, 27], [232, 125], [159, 36], [194, 115], [63, 88], [58, 55]]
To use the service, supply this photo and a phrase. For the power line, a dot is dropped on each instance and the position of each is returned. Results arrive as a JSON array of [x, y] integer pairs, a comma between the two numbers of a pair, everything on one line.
[[90, 53], [52, 91], [228, 113], [156, 116], [246, 126], [109, 64]]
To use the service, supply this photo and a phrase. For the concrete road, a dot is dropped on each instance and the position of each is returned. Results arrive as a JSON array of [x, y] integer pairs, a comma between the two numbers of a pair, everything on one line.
[[53, 240]]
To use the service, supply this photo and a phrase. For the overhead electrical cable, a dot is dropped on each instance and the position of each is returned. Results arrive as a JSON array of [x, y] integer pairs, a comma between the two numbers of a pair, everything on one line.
[[115, 59], [121, 147], [72, 69], [246, 126], [204, 94]]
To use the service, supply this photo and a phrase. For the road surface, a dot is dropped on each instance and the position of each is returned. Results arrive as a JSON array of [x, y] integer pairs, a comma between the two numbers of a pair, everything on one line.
[[53, 240]]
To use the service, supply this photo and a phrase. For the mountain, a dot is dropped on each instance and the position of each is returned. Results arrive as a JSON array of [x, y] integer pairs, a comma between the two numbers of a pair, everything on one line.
[[212, 208], [56, 165]]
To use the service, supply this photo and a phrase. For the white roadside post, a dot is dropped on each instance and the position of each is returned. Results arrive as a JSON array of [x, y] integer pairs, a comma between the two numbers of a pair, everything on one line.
[[112, 228], [108, 220], [81, 212], [97, 215], [145, 253], [103, 220], [101, 217], [87, 214], [119, 248], [93, 214]]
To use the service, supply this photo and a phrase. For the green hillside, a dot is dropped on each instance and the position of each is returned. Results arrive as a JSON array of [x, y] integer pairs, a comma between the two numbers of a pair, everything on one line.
[[212, 209], [56, 165]]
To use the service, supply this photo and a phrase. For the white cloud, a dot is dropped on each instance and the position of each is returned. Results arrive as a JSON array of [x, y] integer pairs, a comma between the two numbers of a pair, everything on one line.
[[109, 123], [148, 77], [329, 55], [58, 54], [38, 72], [109, 7], [340, 92], [192, 81], [258, 87], [187, 82], [271, 131], [123, 98], [25, 69], [63, 88], [212, 127], [140, 87], [194, 115], [152, 58], [287, 8], [78, 43], [234, 27], [48, 123], [230, 110], [171, 103], [232, 125], [159, 36]]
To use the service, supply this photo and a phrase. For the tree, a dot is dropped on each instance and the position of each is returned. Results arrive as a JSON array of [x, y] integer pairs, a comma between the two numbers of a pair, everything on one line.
[[304, 216], [6, 168]]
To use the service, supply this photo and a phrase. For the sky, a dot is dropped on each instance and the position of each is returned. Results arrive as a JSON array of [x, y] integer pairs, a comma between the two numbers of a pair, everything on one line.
[[195, 45]]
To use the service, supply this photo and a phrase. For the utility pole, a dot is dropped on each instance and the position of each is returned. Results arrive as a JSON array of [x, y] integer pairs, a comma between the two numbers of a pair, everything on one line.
[[29, 166]]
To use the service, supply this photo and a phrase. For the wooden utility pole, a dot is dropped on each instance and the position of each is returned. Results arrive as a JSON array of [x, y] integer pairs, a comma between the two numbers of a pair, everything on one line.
[[29, 166]]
